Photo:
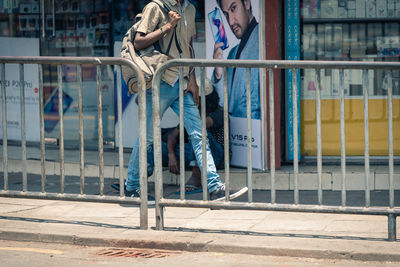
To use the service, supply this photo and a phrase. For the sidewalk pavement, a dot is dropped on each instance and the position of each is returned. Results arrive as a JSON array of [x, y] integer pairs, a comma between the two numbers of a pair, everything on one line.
[[339, 236]]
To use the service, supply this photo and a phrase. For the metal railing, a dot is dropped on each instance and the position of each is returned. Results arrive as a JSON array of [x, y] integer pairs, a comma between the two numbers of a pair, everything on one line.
[[391, 211], [59, 61], [162, 202]]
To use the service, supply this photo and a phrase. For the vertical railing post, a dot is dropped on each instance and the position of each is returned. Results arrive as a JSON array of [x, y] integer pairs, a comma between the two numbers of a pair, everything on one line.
[[157, 152], [23, 127], [203, 134], [4, 113], [319, 136], [366, 136], [272, 134], [143, 155], [61, 122], [42, 143], [81, 133], [390, 139], [295, 138], [100, 130], [120, 141], [391, 227], [226, 136], [342, 137], [249, 137], [181, 137]]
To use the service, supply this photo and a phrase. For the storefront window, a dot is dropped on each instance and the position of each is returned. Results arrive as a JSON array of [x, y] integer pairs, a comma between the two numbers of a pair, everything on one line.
[[351, 30], [360, 30], [78, 28]]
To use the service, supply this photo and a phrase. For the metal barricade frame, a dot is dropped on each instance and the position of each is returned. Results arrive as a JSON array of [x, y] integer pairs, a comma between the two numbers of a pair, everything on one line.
[[272, 65], [59, 61]]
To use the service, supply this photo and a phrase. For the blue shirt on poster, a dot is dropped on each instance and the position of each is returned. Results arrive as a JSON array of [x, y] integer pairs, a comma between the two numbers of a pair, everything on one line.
[[237, 80]]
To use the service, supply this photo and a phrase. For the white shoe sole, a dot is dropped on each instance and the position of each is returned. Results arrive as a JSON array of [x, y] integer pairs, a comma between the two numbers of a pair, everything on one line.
[[150, 203], [239, 193]]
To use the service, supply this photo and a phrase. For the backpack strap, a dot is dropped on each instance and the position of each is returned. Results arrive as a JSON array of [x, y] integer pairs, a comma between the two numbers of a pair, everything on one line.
[[176, 43], [163, 5], [157, 44]]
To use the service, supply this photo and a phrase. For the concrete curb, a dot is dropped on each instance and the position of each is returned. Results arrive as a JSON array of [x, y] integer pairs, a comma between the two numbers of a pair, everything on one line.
[[205, 246]]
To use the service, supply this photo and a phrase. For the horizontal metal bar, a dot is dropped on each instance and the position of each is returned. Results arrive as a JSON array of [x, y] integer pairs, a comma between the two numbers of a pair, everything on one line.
[[70, 197], [276, 64], [279, 64], [277, 207], [65, 60]]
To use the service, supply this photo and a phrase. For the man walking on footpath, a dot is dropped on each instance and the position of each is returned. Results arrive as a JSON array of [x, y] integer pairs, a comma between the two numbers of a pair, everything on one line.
[[157, 26], [244, 26]]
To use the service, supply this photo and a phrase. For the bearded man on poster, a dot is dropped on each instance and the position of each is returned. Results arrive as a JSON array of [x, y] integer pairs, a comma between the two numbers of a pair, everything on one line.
[[244, 26]]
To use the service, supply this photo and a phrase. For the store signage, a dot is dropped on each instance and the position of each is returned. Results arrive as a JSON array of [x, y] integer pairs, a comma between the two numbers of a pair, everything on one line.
[[21, 47], [292, 39]]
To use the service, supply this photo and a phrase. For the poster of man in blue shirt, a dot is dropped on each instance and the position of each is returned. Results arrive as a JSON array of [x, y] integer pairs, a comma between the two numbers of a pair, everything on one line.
[[244, 26], [232, 32]]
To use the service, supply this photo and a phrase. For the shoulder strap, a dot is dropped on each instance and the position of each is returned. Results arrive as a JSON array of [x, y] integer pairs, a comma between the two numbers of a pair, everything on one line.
[[176, 43], [162, 5], [167, 9]]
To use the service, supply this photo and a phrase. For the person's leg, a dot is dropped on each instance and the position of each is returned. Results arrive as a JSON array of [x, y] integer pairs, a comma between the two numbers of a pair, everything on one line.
[[190, 159], [167, 96], [188, 154], [192, 122], [194, 181], [217, 151], [164, 152]]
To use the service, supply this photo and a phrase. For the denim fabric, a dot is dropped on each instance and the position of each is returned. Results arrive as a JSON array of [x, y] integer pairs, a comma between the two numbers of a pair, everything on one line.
[[169, 97], [189, 154], [217, 151]]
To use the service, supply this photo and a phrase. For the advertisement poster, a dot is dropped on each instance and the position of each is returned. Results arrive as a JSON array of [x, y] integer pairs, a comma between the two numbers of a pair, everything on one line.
[[70, 96], [233, 32], [21, 47]]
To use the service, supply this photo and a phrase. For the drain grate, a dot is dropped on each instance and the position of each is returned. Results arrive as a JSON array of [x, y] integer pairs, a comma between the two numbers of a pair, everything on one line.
[[134, 253]]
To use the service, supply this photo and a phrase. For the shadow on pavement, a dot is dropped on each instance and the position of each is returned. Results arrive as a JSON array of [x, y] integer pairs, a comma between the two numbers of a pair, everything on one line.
[[251, 233], [84, 223]]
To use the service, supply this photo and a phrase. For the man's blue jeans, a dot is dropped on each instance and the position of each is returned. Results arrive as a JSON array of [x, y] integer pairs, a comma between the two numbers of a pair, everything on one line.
[[169, 97]]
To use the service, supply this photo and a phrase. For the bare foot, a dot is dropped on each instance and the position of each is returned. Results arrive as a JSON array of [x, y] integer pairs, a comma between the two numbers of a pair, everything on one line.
[[195, 179]]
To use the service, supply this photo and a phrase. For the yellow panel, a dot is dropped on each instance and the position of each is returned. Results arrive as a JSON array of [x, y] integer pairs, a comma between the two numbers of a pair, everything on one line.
[[354, 127]]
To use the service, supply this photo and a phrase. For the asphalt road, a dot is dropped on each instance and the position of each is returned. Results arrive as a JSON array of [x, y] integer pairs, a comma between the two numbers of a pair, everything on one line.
[[44, 254]]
